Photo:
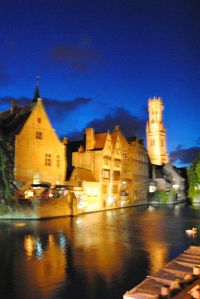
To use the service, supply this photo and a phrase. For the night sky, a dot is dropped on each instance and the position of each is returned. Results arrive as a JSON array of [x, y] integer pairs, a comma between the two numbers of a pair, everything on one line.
[[100, 61]]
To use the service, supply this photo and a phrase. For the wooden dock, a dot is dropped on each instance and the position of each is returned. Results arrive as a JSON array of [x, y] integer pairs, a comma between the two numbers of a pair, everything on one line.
[[180, 279]]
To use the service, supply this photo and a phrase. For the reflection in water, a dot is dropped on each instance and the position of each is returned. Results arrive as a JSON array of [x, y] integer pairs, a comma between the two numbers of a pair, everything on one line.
[[44, 269], [29, 245], [99, 255]]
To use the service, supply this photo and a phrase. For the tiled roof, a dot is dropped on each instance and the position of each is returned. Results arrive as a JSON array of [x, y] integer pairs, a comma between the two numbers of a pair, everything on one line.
[[84, 174], [11, 122], [100, 140]]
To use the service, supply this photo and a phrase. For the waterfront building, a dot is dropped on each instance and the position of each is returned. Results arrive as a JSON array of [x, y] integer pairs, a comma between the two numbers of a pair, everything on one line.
[[38, 154], [114, 170], [156, 133]]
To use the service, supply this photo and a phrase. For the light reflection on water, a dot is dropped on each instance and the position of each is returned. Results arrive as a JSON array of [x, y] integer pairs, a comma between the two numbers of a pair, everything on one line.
[[99, 255]]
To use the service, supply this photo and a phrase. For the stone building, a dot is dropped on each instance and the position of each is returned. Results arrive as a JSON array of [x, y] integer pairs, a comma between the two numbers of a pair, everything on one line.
[[38, 154], [164, 177], [118, 169], [156, 133]]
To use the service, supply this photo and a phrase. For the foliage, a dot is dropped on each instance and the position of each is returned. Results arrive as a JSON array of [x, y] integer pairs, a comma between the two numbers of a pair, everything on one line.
[[164, 196], [194, 178], [7, 188]]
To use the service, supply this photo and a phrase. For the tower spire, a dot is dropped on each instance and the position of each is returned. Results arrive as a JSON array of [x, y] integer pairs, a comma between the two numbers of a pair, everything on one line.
[[156, 133], [36, 93]]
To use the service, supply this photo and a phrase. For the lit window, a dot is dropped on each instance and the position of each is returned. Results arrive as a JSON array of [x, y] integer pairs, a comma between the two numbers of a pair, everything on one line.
[[116, 175], [89, 191], [115, 188], [95, 191], [106, 173], [124, 154], [36, 178], [47, 159], [38, 135], [117, 162], [106, 160]]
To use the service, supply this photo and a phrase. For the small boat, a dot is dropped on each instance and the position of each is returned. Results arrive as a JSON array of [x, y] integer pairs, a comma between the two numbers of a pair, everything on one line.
[[191, 232]]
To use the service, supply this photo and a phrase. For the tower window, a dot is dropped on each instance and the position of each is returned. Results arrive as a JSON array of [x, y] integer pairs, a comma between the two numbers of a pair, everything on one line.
[[39, 120], [38, 135], [152, 142]]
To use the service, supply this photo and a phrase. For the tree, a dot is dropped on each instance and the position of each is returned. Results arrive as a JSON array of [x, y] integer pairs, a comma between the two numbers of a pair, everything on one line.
[[194, 178], [7, 187]]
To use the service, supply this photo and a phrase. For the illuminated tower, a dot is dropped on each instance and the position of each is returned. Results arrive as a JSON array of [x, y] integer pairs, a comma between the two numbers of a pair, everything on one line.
[[156, 133]]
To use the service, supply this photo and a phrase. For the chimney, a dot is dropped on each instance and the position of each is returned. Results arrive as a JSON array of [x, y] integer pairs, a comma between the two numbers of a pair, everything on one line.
[[90, 141], [116, 128], [13, 106], [65, 141]]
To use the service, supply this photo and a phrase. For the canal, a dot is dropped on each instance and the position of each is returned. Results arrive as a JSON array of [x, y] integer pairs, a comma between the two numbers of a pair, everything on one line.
[[94, 256]]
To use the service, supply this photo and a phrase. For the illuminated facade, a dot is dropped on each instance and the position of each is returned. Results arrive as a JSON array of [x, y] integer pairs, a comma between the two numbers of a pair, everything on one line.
[[156, 133], [39, 155], [118, 170]]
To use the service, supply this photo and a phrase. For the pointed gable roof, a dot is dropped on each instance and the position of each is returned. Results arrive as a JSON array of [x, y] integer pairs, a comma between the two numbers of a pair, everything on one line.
[[13, 120], [36, 94]]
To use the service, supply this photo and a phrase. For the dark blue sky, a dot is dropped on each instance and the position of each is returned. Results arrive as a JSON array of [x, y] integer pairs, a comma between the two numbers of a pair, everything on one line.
[[100, 61]]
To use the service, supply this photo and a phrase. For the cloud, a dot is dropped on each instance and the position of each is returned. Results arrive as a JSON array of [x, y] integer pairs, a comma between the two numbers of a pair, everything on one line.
[[79, 58], [129, 124], [6, 101], [184, 156], [66, 105], [51, 104]]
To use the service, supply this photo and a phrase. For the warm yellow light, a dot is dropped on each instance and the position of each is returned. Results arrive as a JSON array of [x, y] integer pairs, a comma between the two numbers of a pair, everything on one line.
[[110, 200], [152, 189], [95, 191], [175, 186], [28, 193], [89, 191], [29, 245]]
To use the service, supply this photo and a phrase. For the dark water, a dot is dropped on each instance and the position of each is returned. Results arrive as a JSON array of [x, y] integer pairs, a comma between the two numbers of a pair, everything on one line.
[[99, 255]]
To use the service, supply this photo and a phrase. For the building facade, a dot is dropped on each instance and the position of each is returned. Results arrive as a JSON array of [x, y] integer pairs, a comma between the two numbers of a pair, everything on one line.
[[156, 133], [119, 167], [39, 155]]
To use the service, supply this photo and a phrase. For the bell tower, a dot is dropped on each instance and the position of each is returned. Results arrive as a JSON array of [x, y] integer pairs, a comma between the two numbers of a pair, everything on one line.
[[156, 132]]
